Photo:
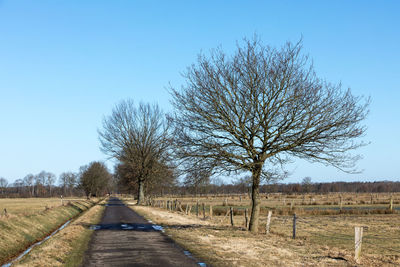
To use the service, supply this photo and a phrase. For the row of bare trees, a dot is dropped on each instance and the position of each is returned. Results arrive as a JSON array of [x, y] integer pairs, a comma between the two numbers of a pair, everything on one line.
[[39, 185], [239, 187], [249, 112], [92, 179]]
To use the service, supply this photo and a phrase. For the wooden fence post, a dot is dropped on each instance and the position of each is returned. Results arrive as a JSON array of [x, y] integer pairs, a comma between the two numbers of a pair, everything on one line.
[[268, 222], [204, 211], [358, 233], [294, 226], [231, 211], [246, 217], [391, 203], [340, 202], [211, 211], [62, 201], [197, 208], [180, 206]]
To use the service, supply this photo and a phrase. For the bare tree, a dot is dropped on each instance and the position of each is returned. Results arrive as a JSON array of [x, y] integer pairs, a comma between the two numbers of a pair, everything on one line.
[[257, 109], [19, 184], [161, 177], [29, 180], [68, 181], [40, 181], [306, 183], [50, 180], [138, 138], [3, 184], [94, 179]]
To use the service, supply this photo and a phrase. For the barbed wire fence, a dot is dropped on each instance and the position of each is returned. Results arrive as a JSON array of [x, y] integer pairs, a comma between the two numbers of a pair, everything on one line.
[[306, 228]]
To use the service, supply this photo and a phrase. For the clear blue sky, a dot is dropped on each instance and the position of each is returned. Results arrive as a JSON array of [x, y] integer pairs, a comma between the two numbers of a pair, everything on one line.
[[65, 64]]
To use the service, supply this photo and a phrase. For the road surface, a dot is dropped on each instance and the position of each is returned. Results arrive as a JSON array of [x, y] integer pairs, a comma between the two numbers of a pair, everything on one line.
[[123, 238]]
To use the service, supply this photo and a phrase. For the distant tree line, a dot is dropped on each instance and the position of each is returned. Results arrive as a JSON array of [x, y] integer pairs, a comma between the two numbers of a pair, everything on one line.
[[92, 180], [242, 187], [356, 187]]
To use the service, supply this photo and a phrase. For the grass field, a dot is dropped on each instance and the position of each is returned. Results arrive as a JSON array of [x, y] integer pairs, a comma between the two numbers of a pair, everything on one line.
[[67, 247], [324, 233], [28, 206], [30, 220]]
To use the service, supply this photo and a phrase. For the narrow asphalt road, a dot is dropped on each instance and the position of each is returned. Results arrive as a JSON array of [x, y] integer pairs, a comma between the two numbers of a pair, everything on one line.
[[123, 238]]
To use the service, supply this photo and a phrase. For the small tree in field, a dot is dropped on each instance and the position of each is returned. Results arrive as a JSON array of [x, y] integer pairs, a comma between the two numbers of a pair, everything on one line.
[[255, 110], [138, 137]]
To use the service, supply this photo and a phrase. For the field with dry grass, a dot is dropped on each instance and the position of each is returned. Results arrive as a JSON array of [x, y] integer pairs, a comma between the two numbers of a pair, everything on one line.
[[30, 220], [28, 206], [67, 247], [324, 229]]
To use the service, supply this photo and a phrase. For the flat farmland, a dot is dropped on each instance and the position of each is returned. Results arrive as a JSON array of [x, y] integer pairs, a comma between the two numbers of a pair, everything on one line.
[[29, 220], [26, 206], [325, 226]]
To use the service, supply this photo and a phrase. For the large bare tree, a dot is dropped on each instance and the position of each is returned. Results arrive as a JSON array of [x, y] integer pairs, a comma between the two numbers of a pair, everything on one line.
[[257, 109], [138, 137]]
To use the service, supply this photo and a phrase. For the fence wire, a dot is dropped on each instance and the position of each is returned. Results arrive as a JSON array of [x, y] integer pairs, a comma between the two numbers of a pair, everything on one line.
[[367, 239]]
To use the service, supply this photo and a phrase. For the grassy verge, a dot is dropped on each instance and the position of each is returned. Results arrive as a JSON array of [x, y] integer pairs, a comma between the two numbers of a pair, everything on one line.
[[67, 247], [19, 231]]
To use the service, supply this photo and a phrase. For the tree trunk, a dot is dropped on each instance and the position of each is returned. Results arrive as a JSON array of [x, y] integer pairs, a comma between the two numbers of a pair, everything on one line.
[[255, 198], [140, 192]]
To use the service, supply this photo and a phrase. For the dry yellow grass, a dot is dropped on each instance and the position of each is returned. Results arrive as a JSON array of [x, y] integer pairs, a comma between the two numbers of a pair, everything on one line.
[[221, 245], [278, 200], [27, 206], [65, 248], [20, 230]]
